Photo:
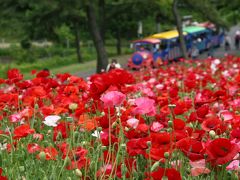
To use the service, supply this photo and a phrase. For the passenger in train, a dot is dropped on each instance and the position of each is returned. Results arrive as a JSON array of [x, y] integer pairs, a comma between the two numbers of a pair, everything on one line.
[[237, 39], [228, 42], [195, 52]]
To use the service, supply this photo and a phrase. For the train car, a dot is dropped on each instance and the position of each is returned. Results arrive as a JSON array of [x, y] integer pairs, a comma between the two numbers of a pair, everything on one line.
[[199, 37], [216, 35], [144, 53], [170, 44]]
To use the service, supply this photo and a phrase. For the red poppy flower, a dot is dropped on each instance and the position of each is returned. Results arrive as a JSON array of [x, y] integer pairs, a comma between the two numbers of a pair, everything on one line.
[[38, 136], [190, 84], [180, 108], [105, 138], [43, 73], [178, 124], [51, 153], [77, 156], [62, 128], [191, 148], [99, 84], [157, 153], [170, 173], [22, 131], [33, 147], [14, 75], [213, 123], [160, 139], [235, 134], [221, 151], [173, 92], [2, 177], [202, 111], [137, 146], [2, 81]]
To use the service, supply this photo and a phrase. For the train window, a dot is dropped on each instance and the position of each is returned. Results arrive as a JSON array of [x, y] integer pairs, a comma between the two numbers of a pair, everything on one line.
[[214, 32], [188, 39], [163, 45], [174, 43], [143, 46]]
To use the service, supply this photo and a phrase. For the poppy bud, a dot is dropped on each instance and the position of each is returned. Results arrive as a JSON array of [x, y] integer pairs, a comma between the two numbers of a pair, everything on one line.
[[170, 123], [78, 172], [69, 119], [103, 148], [114, 125], [212, 134], [99, 129], [149, 143], [42, 156], [126, 129], [69, 178], [73, 106], [154, 166], [36, 106], [84, 142], [169, 129], [123, 146], [21, 168], [172, 105], [5, 109], [164, 178], [166, 155], [191, 125], [230, 127], [76, 135]]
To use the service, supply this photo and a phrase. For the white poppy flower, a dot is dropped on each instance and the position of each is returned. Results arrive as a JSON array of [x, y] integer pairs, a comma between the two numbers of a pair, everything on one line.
[[51, 120], [96, 134]]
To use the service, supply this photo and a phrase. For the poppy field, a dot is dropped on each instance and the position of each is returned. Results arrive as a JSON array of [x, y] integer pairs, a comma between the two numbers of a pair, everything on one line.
[[180, 121]]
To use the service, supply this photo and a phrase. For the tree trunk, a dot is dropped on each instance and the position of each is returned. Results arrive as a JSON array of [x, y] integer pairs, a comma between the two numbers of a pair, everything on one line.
[[179, 28], [101, 12], [102, 59], [77, 40], [158, 23], [119, 49]]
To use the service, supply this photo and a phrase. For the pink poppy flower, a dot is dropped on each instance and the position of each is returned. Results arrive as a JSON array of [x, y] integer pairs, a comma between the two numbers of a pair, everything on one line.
[[113, 98], [234, 165], [14, 118], [226, 115], [156, 127], [133, 123], [144, 106], [199, 167]]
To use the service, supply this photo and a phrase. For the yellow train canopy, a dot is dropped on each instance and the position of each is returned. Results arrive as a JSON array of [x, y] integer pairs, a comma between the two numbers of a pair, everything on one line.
[[167, 35]]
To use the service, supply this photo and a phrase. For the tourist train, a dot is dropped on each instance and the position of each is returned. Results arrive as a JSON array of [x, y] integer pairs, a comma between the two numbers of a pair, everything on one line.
[[161, 48]]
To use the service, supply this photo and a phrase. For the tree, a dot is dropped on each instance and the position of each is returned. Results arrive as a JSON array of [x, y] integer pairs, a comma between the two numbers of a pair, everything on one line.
[[205, 8], [123, 16], [43, 17], [102, 59], [208, 10], [179, 28]]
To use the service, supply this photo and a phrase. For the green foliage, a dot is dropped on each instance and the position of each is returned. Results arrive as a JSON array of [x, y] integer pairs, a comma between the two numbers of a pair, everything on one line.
[[25, 44], [64, 35], [51, 57]]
